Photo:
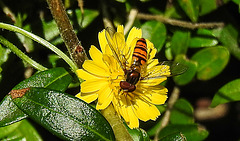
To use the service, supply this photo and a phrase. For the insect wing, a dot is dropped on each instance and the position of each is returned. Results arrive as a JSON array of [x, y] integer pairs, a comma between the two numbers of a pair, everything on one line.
[[165, 69], [176, 68], [116, 51]]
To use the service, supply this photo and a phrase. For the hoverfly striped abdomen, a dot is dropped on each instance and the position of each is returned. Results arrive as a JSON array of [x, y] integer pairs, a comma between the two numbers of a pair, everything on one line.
[[140, 52]]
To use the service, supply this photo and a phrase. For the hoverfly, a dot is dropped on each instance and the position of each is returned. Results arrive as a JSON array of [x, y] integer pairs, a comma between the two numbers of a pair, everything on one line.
[[139, 57]]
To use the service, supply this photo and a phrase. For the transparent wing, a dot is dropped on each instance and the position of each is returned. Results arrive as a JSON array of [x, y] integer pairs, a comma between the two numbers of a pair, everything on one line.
[[165, 69], [114, 42]]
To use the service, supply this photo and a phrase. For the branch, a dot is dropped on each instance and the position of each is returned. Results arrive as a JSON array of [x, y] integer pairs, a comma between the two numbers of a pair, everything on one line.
[[179, 23], [76, 51], [165, 120]]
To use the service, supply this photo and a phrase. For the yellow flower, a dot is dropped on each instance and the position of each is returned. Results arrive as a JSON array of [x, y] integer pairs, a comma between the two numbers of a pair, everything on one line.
[[105, 71]]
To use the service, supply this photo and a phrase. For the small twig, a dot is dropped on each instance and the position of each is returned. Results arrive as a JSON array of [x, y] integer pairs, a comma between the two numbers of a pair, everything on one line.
[[76, 51], [131, 18], [80, 5], [165, 120], [106, 17], [179, 23]]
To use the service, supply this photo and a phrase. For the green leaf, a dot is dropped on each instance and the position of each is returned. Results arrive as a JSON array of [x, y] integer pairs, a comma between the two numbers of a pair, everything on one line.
[[229, 38], [207, 6], [228, 93], [24, 131], [177, 136], [56, 78], [182, 113], [199, 41], [138, 134], [51, 32], [191, 8], [89, 16], [64, 115], [192, 132], [180, 41], [211, 62], [203, 38], [5, 131], [187, 76], [155, 32]]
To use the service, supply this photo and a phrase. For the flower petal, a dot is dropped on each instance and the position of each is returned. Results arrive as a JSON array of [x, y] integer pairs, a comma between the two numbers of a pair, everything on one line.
[[120, 28], [85, 75], [102, 40], [133, 119], [93, 85], [90, 97], [145, 111], [97, 56], [105, 96], [134, 33], [95, 69]]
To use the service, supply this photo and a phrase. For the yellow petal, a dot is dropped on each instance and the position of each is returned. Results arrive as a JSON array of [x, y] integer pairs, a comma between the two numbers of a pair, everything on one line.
[[152, 81], [120, 28], [96, 56], [90, 97], [119, 42], [134, 33], [93, 85], [95, 69], [145, 111], [102, 40], [105, 95], [153, 63], [157, 96], [133, 120], [85, 75]]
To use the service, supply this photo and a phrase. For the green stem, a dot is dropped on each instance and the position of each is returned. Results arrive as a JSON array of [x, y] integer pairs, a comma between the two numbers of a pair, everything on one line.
[[41, 41], [21, 55]]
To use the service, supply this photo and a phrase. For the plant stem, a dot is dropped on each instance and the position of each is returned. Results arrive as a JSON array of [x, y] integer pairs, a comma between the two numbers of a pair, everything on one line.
[[120, 131], [179, 23], [76, 51], [165, 120], [21, 55], [41, 41]]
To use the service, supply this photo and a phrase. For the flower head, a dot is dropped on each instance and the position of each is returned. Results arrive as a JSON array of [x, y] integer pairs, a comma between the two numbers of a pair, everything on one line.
[[107, 69]]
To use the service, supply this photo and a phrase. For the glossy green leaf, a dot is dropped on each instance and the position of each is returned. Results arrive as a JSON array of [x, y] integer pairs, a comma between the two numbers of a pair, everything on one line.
[[192, 132], [138, 134], [182, 113], [207, 6], [155, 32], [211, 62], [56, 78], [187, 76], [177, 136], [191, 8], [203, 38], [229, 38], [228, 93], [89, 16], [180, 41], [24, 131], [64, 115], [199, 41]]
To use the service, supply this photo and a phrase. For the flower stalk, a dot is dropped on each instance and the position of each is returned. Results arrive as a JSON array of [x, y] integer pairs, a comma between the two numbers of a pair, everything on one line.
[[42, 42], [21, 55]]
